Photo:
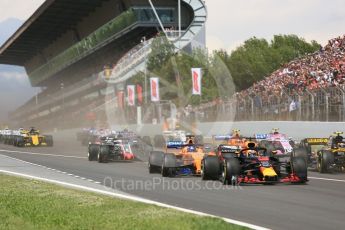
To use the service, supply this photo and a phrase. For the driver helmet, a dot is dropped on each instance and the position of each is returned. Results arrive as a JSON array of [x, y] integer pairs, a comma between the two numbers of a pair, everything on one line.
[[191, 148], [251, 153], [275, 131]]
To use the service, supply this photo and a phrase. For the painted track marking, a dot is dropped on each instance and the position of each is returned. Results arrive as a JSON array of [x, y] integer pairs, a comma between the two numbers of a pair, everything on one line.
[[326, 179], [42, 154]]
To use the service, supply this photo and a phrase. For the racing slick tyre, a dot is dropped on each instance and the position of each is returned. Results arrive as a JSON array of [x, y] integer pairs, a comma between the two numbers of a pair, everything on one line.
[[5, 140], [231, 169], [103, 154], [15, 141], [155, 161], [49, 140], [93, 152], [9, 140], [169, 163], [324, 162], [210, 168], [300, 168], [20, 141], [159, 141], [301, 152]]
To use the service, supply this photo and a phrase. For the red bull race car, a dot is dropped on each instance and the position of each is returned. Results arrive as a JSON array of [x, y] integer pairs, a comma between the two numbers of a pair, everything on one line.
[[253, 165]]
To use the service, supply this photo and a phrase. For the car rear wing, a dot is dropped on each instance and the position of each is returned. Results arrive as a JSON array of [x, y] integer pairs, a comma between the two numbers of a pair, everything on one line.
[[229, 137], [316, 141], [229, 149], [175, 144]]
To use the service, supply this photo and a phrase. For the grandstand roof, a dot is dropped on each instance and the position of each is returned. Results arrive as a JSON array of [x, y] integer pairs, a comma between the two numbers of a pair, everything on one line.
[[50, 20]]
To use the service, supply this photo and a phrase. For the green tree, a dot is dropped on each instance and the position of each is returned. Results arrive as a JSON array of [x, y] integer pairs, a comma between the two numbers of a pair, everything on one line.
[[257, 58], [162, 51], [249, 63]]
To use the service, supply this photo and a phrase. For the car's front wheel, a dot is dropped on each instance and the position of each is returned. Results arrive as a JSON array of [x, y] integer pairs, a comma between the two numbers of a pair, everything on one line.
[[325, 160], [210, 168], [230, 171], [103, 154], [300, 168]]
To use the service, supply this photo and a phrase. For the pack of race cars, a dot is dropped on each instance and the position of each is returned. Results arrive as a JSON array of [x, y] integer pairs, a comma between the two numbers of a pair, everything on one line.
[[261, 159], [110, 148], [125, 145], [232, 158], [25, 138]]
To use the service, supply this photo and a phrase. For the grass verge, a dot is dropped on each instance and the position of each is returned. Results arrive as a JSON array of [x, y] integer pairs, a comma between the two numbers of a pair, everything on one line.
[[30, 204]]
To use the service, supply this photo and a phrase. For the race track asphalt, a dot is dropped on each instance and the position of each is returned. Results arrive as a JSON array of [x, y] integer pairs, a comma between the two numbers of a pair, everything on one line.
[[320, 204]]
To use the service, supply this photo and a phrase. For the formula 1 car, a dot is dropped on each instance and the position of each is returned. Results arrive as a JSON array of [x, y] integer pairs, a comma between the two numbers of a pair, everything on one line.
[[224, 151], [126, 134], [234, 139], [180, 159], [110, 148], [84, 136], [91, 135], [160, 141], [252, 165], [309, 147], [276, 142], [6, 136], [2, 134], [31, 138], [326, 154]]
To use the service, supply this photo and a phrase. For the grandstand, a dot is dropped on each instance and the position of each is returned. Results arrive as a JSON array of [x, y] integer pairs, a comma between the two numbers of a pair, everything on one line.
[[66, 45]]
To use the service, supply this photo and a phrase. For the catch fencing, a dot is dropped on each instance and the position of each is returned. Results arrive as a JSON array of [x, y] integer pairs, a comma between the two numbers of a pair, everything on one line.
[[323, 104]]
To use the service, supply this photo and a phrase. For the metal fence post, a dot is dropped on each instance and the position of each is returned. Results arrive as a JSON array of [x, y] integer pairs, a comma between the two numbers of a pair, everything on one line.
[[342, 105], [326, 104], [312, 105], [327, 107], [299, 108], [244, 107], [251, 108]]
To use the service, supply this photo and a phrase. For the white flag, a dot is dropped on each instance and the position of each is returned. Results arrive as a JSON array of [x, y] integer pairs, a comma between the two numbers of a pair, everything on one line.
[[131, 95], [154, 83], [196, 78]]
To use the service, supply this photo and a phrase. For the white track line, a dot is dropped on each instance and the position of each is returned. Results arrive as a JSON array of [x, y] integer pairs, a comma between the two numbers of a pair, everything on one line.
[[326, 179], [42, 154], [58, 171], [134, 198]]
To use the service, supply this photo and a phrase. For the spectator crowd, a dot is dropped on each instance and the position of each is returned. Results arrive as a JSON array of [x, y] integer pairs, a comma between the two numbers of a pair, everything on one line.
[[322, 69]]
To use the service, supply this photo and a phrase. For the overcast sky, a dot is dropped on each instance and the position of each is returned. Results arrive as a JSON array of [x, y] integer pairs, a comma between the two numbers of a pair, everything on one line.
[[231, 22]]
